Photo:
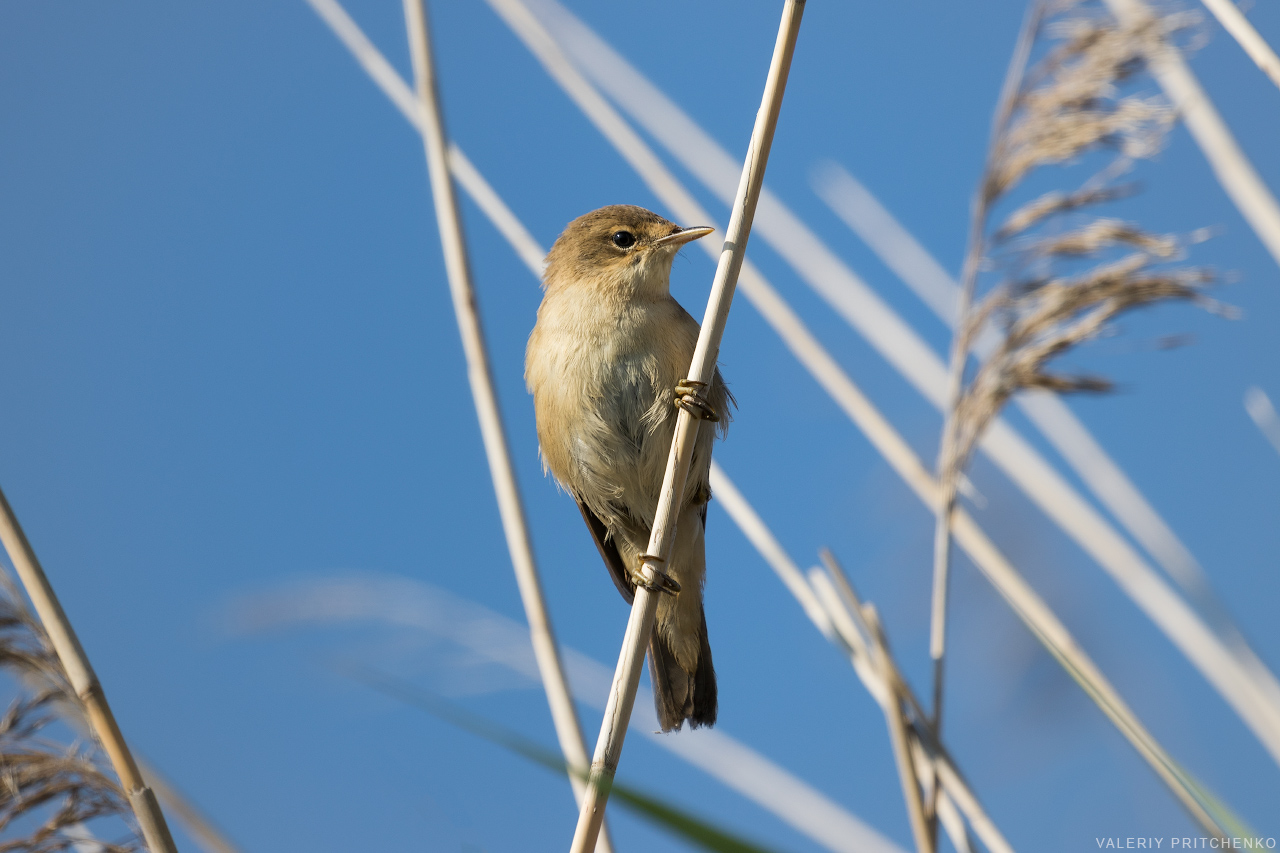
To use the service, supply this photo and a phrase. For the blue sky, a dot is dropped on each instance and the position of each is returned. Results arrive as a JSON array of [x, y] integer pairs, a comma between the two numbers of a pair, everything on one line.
[[231, 364]]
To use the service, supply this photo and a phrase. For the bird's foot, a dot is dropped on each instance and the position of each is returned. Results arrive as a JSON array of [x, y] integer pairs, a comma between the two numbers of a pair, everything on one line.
[[689, 397], [662, 582]]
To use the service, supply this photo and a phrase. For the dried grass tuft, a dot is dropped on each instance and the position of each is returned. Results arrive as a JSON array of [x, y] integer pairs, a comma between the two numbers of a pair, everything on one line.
[[1045, 320], [1076, 100], [1064, 273], [1081, 97], [1071, 102], [48, 789]]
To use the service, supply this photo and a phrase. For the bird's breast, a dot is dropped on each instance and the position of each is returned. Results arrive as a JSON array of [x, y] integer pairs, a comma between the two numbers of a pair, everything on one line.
[[603, 385]]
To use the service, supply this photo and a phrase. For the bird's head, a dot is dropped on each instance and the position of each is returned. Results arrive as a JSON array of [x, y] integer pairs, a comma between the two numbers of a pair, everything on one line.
[[622, 251]]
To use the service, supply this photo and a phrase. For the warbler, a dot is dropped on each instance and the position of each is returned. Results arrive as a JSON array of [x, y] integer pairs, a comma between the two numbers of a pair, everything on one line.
[[606, 364]]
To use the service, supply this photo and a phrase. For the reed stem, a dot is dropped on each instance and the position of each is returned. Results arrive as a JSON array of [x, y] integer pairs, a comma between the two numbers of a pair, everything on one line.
[[923, 829], [1254, 45], [950, 467], [863, 637], [84, 681], [627, 677], [479, 374]]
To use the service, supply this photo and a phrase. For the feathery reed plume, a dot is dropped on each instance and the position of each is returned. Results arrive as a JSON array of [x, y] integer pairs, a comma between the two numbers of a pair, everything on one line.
[[60, 787], [26, 652], [1255, 688], [1071, 103], [48, 789]]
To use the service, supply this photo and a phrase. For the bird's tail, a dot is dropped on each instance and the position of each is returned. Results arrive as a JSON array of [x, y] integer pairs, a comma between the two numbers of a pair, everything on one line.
[[679, 695]]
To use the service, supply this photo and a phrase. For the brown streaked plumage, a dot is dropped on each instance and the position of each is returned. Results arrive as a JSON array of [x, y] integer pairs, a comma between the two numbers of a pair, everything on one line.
[[603, 362]]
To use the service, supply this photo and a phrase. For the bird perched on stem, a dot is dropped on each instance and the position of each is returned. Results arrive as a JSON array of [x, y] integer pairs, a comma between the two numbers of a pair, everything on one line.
[[606, 365]]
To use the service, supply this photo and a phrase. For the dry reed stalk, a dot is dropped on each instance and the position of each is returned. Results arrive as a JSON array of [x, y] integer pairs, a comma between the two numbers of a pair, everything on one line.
[[834, 622], [944, 787], [84, 682], [1263, 413], [1254, 45], [640, 625], [480, 377], [924, 834], [1230, 166], [949, 477], [928, 764], [189, 816]]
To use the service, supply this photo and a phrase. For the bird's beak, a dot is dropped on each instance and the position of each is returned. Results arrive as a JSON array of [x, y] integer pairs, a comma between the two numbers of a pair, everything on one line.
[[684, 235]]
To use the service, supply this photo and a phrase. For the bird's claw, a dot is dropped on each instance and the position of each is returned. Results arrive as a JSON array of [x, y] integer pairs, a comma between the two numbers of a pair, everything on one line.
[[689, 397], [662, 582]]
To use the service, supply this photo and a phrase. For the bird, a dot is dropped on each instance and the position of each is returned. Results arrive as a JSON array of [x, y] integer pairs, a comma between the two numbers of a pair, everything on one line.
[[606, 364]]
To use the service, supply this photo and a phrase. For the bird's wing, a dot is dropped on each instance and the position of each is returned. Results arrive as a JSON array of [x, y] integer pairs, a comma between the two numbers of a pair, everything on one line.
[[609, 553]]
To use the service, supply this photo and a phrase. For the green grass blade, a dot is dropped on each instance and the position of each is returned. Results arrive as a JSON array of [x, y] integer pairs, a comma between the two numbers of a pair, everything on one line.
[[696, 830]]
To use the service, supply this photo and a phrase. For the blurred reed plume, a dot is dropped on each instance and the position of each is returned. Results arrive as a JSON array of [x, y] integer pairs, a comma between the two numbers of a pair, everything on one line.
[[1062, 271], [49, 789], [1062, 282]]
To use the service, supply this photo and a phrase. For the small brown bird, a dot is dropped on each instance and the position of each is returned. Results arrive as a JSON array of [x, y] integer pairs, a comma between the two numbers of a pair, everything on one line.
[[604, 361]]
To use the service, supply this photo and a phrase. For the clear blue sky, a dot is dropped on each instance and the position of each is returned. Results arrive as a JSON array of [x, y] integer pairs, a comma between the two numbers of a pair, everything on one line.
[[230, 362]]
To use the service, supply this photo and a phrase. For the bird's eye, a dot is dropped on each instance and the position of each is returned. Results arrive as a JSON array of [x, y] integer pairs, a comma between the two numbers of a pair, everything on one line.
[[624, 239]]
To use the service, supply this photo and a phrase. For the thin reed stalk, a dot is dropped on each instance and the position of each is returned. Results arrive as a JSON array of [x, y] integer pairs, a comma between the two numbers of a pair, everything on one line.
[[189, 816], [862, 636], [1254, 45], [479, 374], [948, 473], [84, 681], [640, 625], [925, 835], [1263, 414]]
